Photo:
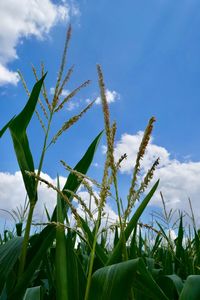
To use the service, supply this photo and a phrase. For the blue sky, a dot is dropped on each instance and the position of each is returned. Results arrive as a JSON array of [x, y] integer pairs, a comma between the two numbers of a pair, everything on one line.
[[149, 53]]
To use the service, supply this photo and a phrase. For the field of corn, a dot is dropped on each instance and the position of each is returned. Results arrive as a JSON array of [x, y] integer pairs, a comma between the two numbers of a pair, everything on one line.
[[81, 262]]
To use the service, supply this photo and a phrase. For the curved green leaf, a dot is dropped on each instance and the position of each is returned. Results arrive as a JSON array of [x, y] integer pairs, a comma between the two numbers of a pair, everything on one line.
[[61, 257], [9, 253], [102, 256], [131, 225], [76, 275], [191, 289], [17, 128], [177, 281], [116, 281], [5, 127], [172, 285], [83, 165]]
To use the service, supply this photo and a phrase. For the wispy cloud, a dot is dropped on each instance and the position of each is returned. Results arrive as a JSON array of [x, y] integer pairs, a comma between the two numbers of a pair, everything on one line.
[[111, 96], [64, 93], [17, 22], [72, 105]]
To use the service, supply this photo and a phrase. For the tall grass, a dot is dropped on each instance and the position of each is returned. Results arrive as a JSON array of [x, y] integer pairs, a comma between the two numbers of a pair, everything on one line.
[[141, 261]]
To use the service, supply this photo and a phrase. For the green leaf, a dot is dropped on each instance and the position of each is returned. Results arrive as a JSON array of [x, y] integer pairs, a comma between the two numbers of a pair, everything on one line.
[[116, 281], [115, 256], [9, 253], [156, 244], [116, 238], [5, 127], [76, 275], [33, 293], [180, 255], [61, 259], [177, 281], [102, 256], [191, 289], [39, 247], [18, 128], [172, 285], [83, 165], [70, 278]]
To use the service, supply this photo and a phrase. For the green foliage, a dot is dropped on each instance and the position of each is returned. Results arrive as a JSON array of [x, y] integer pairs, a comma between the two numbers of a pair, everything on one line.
[[191, 290], [62, 281], [73, 182], [18, 127], [78, 261], [36, 253], [9, 253], [116, 281]]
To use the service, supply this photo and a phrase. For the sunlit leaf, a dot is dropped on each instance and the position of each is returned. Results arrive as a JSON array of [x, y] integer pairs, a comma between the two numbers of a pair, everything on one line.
[[61, 258], [131, 226], [18, 128], [115, 282], [83, 165]]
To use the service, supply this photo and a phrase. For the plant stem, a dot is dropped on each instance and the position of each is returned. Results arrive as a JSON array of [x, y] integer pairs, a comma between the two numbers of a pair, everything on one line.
[[89, 279], [25, 240], [125, 255]]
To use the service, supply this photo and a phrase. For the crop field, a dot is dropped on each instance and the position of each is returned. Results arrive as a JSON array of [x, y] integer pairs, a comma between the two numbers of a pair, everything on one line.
[[91, 260]]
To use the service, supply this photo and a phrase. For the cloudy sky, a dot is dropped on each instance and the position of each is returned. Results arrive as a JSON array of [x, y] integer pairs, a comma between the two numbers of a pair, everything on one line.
[[149, 53]]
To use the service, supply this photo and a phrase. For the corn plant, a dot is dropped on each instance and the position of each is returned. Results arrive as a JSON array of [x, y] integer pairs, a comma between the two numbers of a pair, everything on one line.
[[76, 261]]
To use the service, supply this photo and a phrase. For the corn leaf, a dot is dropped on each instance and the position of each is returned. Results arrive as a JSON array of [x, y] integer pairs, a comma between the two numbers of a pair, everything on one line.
[[61, 258], [76, 275], [5, 127], [180, 255], [191, 289], [116, 281], [36, 253], [18, 128], [101, 255], [131, 226], [83, 165], [9, 253], [172, 285]]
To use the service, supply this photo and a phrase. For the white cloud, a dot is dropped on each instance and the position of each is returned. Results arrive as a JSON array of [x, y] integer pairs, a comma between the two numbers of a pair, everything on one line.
[[12, 195], [64, 93], [30, 18], [72, 105], [129, 144], [178, 180], [52, 90], [7, 76], [111, 97]]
